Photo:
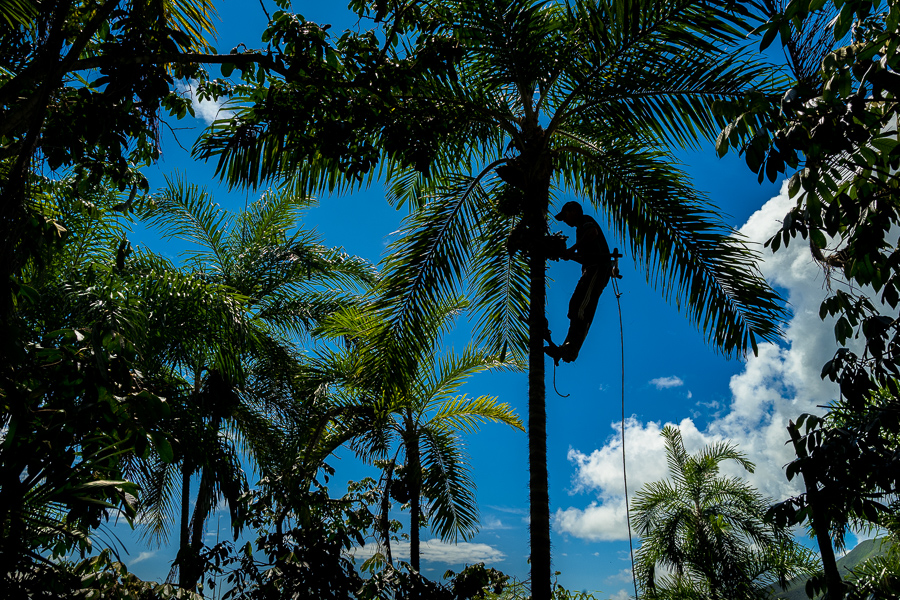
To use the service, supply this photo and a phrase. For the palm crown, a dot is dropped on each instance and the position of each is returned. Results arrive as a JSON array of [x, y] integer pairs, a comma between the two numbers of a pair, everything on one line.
[[703, 534], [236, 372], [581, 99], [418, 414]]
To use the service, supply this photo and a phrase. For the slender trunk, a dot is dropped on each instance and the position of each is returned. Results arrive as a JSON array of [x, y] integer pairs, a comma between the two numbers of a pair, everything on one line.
[[186, 471], [820, 522], [414, 479], [384, 519], [537, 414], [202, 507], [185, 541]]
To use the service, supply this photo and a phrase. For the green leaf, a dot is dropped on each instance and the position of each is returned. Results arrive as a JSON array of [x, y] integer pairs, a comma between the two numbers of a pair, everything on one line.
[[162, 446], [885, 144], [796, 8], [818, 238], [844, 21], [769, 36], [794, 185]]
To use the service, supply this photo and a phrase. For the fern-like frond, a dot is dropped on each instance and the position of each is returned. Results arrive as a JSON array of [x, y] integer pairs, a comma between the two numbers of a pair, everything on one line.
[[449, 486], [187, 212]]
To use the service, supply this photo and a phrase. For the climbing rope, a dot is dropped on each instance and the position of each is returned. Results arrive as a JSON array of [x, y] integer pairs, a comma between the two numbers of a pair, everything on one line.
[[554, 383], [624, 470]]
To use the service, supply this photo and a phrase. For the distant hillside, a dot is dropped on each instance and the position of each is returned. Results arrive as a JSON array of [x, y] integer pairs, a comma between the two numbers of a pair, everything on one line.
[[796, 590]]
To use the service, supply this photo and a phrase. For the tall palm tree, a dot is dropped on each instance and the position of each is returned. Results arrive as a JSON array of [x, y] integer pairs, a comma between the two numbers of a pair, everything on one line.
[[418, 417], [584, 99], [226, 373], [703, 535]]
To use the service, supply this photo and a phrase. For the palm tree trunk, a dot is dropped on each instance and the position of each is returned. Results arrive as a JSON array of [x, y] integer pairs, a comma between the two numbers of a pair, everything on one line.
[[185, 540], [414, 480], [202, 507], [384, 519], [539, 497]]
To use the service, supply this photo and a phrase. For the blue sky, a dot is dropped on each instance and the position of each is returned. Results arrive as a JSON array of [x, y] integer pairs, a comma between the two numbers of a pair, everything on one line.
[[671, 375]]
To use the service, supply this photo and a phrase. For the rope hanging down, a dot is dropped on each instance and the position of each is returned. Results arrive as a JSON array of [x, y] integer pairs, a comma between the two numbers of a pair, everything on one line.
[[624, 470], [554, 384], [613, 278]]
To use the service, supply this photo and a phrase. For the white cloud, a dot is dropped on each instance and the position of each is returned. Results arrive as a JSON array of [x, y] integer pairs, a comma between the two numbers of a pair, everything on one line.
[[206, 110], [662, 383], [620, 595], [142, 557], [435, 550], [778, 384], [623, 576], [597, 522], [492, 523]]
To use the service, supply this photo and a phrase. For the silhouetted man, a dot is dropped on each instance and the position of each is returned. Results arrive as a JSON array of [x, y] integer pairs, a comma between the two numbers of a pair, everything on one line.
[[592, 252]]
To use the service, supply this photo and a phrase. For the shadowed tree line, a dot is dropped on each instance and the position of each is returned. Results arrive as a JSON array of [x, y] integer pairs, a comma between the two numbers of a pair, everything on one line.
[[137, 386]]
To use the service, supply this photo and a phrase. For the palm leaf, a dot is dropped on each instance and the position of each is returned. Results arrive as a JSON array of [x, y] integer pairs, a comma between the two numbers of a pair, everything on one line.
[[426, 265], [500, 283], [186, 211], [467, 414], [193, 17], [449, 486]]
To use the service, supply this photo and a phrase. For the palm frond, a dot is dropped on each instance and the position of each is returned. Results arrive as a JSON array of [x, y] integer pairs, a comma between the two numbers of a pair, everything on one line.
[[186, 211], [300, 312], [267, 220], [667, 98], [610, 34], [449, 486], [715, 453], [18, 12], [195, 18], [510, 42], [159, 482], [428, 262], [467, 414], [443, 378], [500, 280]]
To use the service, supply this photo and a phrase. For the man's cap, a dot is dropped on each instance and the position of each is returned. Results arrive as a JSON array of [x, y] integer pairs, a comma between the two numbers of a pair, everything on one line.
[[570, 206]]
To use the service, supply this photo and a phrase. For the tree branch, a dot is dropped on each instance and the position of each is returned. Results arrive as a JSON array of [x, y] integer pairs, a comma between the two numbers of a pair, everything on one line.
[[99, 62]]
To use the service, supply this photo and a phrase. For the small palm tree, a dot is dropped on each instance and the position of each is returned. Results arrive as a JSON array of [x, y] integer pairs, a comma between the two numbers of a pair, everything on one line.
[[229, 374], [703, 535], [418, 416]]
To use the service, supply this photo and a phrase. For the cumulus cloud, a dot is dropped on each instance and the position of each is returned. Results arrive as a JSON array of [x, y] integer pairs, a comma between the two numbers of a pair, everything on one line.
[[437, 551], [779, 384], [662, 383], [206, 110]]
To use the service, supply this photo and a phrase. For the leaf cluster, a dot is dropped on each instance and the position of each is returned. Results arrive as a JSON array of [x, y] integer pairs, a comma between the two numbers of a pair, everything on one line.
[[837, 129]]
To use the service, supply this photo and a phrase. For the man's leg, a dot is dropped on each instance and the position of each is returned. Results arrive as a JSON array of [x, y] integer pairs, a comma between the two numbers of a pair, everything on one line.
[[582, 307]]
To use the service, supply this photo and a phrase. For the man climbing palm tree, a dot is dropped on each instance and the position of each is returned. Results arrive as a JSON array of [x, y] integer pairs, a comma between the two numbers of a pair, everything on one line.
[[592, 252]]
